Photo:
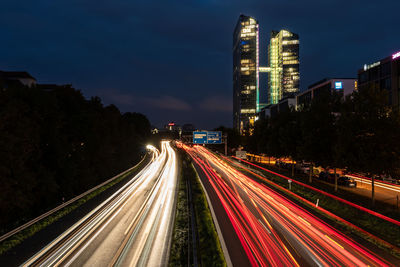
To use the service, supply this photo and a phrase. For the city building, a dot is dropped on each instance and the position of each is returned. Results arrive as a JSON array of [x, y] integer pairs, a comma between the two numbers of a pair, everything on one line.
[[284, 62], [383, 74], [265, 112], [271, 110], [245, 74], [342, 86], [8, 78], [172, 126]]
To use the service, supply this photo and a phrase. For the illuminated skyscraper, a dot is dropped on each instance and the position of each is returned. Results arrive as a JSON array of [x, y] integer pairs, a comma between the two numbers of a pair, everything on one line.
[[245, 74], [284, 74]]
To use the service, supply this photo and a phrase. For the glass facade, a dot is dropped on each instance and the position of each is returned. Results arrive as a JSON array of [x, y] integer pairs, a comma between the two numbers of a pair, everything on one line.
[[245, 73], [284, 75]]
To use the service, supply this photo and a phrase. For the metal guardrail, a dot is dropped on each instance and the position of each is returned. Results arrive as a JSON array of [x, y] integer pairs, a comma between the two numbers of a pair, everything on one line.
[[44, 215]]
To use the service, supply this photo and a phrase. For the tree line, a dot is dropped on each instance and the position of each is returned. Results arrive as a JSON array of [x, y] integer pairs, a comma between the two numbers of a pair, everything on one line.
[[360, 133], [55, 144]]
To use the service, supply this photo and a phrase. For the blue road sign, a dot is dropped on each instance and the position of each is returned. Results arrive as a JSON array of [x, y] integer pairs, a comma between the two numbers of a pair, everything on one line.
[[214, 137], [199, 137]]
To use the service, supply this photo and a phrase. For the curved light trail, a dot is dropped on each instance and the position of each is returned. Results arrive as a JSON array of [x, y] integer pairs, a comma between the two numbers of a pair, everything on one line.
[[386, 185], [273, 230], [131, 228], [374, 213]]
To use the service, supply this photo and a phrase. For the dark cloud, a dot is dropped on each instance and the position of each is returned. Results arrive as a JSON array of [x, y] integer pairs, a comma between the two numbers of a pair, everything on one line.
[[216, 103], [172, 60], [168, 103]]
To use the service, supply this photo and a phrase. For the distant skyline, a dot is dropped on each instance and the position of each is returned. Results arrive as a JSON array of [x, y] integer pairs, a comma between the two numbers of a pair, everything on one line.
[[172, 60]]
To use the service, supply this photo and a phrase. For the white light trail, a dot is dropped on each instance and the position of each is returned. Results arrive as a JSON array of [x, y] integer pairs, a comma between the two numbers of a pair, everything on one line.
[[149, 230]]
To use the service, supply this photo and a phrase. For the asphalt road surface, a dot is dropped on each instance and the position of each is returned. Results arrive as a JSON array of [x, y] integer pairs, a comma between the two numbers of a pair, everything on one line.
[[131, 228], [271, 230]]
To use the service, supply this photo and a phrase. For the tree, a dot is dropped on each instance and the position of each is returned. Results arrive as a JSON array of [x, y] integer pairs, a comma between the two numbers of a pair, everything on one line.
[[55, 144], [234, 138], [369, 133], [319, 130], [257, 142]]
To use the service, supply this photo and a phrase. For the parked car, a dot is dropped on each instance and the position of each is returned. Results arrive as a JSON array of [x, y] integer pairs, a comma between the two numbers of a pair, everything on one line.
[[305, 168], [347, 181], [328, 177], [324, 176], [283, 164], [389, 179]]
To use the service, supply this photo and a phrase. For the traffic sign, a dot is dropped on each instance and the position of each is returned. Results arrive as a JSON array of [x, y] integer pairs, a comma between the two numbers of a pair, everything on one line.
[[206, 137], [214, 137], [199, 137]]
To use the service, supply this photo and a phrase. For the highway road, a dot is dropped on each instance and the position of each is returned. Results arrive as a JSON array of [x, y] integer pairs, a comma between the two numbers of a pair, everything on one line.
[[272, 230], [131, 228]]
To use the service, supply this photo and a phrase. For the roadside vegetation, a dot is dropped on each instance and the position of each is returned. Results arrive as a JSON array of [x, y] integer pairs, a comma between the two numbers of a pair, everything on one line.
[[384, 208], [209, 251], [55, 144], [17, 238], [359, 134]]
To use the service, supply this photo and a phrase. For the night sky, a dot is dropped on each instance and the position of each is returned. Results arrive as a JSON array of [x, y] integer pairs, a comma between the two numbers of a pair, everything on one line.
[[172, 60]]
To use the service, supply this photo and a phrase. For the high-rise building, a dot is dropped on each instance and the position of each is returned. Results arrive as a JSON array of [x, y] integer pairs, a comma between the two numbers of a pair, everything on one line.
[[245, 74], [284, 73]]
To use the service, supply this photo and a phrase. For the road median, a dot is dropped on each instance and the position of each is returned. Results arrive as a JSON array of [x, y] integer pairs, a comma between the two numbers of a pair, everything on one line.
[[209, 251]]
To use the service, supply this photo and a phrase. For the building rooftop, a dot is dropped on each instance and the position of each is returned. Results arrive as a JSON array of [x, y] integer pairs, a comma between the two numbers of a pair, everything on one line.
[[328, 79], [16, 75]]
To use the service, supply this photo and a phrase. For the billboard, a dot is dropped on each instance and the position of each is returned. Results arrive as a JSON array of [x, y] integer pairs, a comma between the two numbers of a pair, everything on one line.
[[396, 55], [206, 137], [338, 85]]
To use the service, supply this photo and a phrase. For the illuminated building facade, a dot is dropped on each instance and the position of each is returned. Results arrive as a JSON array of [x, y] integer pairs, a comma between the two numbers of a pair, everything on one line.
[[245, 74], [385, 75], [284, 73], [340, 86]]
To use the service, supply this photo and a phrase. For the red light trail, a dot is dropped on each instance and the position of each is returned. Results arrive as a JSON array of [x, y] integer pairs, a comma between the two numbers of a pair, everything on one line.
[[273, 230], [330, 195]]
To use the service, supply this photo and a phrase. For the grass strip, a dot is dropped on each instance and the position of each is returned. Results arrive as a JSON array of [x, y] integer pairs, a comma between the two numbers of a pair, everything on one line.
[[180, 237], [210, 251], [16, 239]]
